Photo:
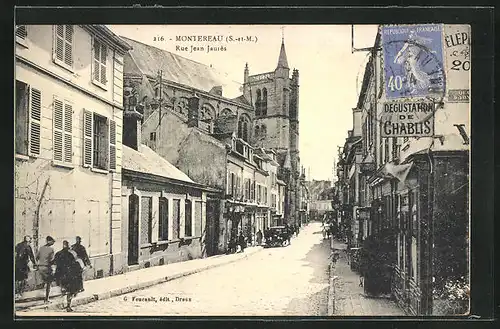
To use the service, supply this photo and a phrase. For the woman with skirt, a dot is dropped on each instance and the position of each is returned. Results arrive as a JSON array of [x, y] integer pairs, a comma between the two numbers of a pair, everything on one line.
[[68, 273]]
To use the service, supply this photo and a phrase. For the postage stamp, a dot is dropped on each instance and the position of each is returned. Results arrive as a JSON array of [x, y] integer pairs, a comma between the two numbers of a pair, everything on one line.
[[413, 59]]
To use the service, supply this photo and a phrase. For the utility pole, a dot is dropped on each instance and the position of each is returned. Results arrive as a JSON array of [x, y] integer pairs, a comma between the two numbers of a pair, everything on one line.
[[160, 78]]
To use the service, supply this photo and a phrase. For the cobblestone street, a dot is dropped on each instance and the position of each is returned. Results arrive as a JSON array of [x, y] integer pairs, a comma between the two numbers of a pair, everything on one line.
[[278, 281]]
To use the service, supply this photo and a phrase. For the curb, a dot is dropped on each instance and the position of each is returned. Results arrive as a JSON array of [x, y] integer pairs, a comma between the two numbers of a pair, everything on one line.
[[134, 287]]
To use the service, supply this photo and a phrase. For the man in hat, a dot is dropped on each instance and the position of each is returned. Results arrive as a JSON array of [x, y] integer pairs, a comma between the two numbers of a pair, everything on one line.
[[82, 255], [45, 257], [24, 254]]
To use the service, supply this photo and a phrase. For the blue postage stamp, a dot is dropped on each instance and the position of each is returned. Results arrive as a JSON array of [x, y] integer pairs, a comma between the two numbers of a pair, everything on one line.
[[413, 61]]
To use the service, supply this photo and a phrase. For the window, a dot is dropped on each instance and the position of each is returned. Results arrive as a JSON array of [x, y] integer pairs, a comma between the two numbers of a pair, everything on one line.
[[152, 136], [99, 146], [28, 115], [386, 150], [188, 218], [63, 131], [264, 101], [258, 103], [163, 225], [63, 45], [395, 148], [176, 217], [198, 208], [146, 219], [99, 63], [257, 133], [243, 124], [233, 184]]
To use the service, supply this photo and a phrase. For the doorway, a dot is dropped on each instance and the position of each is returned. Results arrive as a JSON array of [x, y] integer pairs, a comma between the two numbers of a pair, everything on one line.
[[133, 230]]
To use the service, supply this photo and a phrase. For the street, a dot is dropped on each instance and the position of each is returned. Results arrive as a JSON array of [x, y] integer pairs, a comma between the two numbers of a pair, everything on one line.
[[290, 280]]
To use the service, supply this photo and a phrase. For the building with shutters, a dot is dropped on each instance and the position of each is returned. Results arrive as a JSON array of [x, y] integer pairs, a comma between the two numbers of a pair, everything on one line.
[[68, 128], [163, 210], [410, 194]]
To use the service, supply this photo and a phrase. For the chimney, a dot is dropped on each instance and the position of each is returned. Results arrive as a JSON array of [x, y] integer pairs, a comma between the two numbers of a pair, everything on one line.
[[356, 121], [193, 112], [217, 90], [132, 120], [246, 88]]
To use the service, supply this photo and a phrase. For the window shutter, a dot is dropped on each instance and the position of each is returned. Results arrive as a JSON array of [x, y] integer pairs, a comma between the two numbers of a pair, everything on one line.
[[58, 130], [88, 133], [97, 66], [59, 46], [34, 118], [112, 145], [68, 45], [68, 133], [104, 52], [21, 31]]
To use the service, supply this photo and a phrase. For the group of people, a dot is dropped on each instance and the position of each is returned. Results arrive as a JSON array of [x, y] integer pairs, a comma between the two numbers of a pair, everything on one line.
[[69, 263], [234, 242]]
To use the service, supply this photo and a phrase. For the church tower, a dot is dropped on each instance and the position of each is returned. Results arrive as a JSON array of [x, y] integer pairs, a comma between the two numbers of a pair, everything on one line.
[[275, 98], [269, 94]]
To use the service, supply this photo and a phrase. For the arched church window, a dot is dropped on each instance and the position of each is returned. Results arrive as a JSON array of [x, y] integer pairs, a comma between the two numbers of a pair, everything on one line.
[[240, 130], [207, 116], [258, 102], [226, 112], [181, 106], [264, 102], [245, 130], [263, 131], [257, 132], [243, 124]]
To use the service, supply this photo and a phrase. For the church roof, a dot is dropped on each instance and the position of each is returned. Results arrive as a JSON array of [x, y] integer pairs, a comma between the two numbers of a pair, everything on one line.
[[241, 99], [282, 61], [149, 60]]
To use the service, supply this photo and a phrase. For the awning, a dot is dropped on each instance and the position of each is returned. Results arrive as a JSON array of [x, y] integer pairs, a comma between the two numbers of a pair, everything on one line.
[[390, 170], [399, 172]]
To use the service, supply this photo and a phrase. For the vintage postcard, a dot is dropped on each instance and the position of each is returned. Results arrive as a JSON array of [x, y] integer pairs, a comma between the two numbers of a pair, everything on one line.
[[242, 170]]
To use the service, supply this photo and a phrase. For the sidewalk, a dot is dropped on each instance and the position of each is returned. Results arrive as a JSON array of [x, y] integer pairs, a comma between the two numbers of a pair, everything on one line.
[[348, 297], [124, 283]]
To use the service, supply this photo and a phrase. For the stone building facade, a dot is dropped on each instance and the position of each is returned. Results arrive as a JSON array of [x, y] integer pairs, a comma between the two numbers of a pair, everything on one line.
[[68, 147]]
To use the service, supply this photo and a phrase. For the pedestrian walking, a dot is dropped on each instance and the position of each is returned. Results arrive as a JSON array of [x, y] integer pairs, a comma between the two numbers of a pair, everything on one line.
[[24, 254], [241, 241], [83, 257], [68, 273], [45, 258], [259, 237], [335, 257]]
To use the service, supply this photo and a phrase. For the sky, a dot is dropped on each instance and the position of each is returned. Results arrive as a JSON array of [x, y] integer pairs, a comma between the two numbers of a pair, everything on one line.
[[330, 74]]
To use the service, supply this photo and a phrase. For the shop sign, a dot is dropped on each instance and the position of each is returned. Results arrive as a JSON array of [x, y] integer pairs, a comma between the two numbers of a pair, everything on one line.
[[407, 119]]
